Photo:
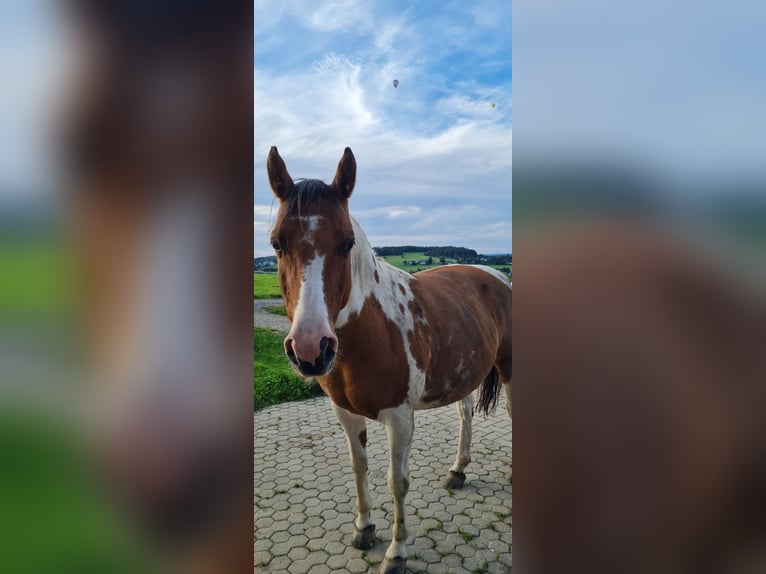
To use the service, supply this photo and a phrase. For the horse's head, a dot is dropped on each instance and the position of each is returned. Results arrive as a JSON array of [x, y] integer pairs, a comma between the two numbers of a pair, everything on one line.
[[313, 238]]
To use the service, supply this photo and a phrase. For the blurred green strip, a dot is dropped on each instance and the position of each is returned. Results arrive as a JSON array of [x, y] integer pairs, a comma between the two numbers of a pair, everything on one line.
[[54, 520], [36, 281]]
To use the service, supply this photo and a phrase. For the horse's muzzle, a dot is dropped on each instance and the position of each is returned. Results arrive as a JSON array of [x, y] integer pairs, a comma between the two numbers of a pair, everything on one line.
[[321, 365]]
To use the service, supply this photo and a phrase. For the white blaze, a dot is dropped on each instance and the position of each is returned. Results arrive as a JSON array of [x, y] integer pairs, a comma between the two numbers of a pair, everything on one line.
[[312, 308]]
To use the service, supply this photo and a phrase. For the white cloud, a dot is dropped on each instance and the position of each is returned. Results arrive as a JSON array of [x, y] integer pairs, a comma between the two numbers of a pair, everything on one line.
[[431, 144]]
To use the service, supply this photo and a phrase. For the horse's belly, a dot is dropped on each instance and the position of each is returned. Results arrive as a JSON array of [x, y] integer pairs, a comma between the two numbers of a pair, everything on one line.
[[453, 380]]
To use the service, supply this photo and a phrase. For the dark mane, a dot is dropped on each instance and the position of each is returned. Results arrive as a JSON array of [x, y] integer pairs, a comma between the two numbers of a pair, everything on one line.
[[307, 193]]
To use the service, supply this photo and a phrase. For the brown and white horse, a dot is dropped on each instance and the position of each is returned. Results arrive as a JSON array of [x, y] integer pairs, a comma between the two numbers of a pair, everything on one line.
[[383, 343]]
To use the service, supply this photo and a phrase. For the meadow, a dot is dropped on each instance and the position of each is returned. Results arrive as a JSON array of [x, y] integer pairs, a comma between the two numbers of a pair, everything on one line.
[[399, 261], [266, 286], [274, 381]]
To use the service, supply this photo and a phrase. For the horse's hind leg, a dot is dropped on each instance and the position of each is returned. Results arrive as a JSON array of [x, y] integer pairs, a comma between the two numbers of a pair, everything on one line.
[[507, 387], [456, 476], [356, 436], [504, 370]]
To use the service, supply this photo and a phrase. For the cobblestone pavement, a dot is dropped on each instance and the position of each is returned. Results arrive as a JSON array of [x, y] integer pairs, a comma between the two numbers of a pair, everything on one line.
[[304, 494], [263, 318]]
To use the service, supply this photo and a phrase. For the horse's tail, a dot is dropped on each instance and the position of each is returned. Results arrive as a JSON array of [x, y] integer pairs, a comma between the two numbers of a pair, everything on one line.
[[490, 390]]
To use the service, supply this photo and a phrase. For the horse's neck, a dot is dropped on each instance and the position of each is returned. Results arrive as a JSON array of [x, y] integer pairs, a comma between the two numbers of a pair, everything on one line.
[[369, 275]]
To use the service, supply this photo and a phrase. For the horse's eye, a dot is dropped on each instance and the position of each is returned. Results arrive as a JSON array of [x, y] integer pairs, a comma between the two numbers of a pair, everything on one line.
[[276, 246], [347, 247]]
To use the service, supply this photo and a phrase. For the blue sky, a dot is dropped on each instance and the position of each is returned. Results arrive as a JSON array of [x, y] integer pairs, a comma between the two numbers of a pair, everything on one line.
[[434, 156]]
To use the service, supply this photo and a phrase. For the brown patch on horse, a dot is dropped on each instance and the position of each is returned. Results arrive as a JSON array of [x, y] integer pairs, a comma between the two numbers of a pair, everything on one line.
[[402, 289], [363, 386], [377, 277], [401, 308], [363, 437], [448, 297], [415, 309]]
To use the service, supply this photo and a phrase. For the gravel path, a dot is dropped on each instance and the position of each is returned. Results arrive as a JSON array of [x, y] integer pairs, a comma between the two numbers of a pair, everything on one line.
[[265, 319]]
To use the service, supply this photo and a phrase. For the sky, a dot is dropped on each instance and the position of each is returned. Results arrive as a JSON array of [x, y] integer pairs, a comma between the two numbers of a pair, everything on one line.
[[433, 154]]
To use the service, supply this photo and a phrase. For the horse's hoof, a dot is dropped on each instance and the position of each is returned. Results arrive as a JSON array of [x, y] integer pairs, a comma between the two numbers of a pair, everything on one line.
[[455, 480], [393, 566], [365, 539]]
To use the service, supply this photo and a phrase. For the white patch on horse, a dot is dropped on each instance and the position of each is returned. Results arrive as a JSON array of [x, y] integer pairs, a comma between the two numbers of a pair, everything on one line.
[[494, 272], [311, 306], [389, 294], [310, 223], [362, 276]]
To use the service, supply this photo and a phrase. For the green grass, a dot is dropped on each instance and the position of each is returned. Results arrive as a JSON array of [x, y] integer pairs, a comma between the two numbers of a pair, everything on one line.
[[36, 279], [266, 286], [276, 310], [274, 381], [398, 261]]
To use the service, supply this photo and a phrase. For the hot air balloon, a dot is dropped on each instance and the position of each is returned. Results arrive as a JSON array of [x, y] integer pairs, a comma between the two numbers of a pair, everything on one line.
[[396, 83], [493, 104]]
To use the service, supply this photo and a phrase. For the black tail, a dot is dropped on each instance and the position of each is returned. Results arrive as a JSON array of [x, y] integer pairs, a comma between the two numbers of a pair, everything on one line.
[[490, 390]]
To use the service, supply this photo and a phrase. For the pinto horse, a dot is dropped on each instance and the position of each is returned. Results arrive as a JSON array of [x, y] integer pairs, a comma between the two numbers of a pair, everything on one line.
[[383, 343]]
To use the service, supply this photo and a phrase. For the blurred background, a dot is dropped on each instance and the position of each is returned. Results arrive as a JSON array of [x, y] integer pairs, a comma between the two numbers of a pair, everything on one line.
[[125, 306], [640, 236]]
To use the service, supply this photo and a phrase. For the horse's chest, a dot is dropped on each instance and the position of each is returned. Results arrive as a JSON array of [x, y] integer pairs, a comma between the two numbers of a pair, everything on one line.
[[367, 387]]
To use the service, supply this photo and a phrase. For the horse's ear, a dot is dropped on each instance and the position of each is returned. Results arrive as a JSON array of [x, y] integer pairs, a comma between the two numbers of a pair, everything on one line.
[[345, 177], [280, 181]]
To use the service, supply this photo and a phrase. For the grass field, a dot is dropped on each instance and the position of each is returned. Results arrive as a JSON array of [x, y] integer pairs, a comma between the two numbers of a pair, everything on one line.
[[266, 286], [35, 280], [274, 380], [398, 261]]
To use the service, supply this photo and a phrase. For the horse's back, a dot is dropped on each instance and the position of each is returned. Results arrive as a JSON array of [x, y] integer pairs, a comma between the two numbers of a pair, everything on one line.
[[475, 290]]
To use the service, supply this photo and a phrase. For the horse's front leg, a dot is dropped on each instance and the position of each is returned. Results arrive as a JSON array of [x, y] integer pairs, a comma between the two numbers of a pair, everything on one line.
[[356, 436], [399, 424]]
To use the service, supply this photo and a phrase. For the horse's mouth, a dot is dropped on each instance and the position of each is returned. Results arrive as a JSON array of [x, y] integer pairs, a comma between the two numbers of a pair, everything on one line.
[[319, 368], [308, 370]]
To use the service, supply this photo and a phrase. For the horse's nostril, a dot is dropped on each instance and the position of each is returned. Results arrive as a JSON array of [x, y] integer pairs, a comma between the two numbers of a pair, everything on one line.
[[323, 344], [290, 351]]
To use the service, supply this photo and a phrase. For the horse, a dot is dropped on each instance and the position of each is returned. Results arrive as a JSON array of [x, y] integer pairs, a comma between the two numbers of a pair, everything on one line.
[[380, 342]]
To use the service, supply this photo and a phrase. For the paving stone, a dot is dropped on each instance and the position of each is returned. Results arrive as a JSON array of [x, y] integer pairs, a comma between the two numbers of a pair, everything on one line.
[[299, 567], [357, 565], [304, 499]]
